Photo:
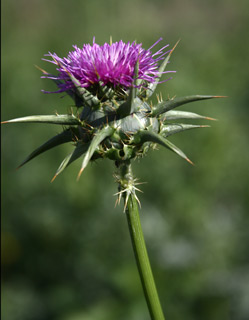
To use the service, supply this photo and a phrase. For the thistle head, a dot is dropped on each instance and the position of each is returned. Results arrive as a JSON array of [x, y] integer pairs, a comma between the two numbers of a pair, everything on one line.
[[110, 66], [110, 86]]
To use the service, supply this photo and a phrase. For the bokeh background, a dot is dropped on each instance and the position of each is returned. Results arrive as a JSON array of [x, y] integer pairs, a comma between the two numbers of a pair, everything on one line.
[[66, 251]]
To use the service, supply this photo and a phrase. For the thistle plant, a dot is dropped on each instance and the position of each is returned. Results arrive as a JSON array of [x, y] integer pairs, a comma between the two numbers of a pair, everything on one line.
[[111, 86]]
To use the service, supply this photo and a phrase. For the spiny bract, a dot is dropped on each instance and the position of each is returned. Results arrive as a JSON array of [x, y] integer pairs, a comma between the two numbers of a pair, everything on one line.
[[111, 84]]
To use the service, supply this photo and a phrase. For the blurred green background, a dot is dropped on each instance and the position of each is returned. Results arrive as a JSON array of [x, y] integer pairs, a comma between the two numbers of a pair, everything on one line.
[[66, 251]]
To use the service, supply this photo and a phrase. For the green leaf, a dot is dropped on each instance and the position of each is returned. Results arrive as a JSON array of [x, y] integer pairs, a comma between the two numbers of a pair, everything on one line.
[[170, 129], [129, 106], [105, 91], [175, 115], [149, 136], [98, 138], [65, 136], [66, 119], [71, 93], [62, 166], [170, 104], [152, 86], [89, 99], [79, 150], [58, 82]]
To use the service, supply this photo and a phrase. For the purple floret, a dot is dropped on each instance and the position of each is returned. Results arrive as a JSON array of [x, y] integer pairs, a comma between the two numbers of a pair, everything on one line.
[[109, 64]]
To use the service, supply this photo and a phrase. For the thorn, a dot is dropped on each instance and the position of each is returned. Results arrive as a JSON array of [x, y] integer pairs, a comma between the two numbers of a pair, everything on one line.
[[171, 51], [87, 124], [53, 178], [190, 161], [138, 201], [61, 66], [126, 201], [20, 166], [79, 174], [220, 97], [118, 199], [57, 62], [138, 189], [213, 119], [42, 70]]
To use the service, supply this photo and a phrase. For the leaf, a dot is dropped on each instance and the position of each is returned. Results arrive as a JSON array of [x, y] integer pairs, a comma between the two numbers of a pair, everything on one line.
[[152, 86], [79, 150], [129, 106], [165, 106], [62, 166], [89, 99], [58, 82], [98, 138], [65, 136], [150, 136], [66, 119], [175, 115], [105, 91], [86, 96], [170, 129]]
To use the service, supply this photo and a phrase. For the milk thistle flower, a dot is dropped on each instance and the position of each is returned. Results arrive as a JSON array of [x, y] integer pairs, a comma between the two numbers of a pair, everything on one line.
[[110, 86], [111, 64]]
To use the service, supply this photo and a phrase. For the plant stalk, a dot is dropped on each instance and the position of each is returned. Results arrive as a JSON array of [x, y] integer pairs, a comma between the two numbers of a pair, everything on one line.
[[138, 243]]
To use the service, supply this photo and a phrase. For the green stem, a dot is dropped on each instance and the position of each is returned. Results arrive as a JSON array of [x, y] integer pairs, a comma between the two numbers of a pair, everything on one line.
[[138, 243]]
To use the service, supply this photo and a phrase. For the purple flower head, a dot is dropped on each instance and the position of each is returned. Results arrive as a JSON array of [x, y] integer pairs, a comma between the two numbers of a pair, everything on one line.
[[110, 64]]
